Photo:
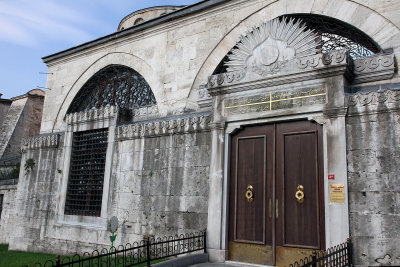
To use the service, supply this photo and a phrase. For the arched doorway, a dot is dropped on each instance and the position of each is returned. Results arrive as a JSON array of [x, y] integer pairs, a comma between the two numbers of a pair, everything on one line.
[[279, 75]]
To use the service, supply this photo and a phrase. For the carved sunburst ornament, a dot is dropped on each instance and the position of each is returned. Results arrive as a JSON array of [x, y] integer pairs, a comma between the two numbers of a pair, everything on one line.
[[266, 48]]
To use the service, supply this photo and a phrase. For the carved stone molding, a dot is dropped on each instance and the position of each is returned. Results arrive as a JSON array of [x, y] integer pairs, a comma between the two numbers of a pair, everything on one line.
[[321, 60], [203, 97], [321, 119], [374, 68], [92, 115], [191, 124], [335, 112], [324, 64], [373, 102], [218, 125], [373, 98], [145, 113], [42, 141], [225, 78]]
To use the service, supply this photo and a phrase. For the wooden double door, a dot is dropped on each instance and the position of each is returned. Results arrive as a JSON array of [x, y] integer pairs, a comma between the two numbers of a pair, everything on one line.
[[276, 207]]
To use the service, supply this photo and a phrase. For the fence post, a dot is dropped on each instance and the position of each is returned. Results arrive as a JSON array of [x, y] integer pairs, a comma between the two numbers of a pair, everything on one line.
[[314, 259], [148, 251], [349, 252], [58, 260], [205, 241]]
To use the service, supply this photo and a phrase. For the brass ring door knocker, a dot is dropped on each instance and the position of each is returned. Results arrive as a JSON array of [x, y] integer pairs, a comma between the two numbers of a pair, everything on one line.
[[300, 194], [249, 193]]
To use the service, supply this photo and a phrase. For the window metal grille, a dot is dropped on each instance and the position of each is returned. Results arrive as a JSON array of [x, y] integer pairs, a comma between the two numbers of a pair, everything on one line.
[[1, 204], [86, 175], [336, 34], [115, 85]]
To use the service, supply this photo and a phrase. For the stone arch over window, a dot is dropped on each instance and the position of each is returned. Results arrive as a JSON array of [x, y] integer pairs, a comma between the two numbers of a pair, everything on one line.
[[329, 33], [114, 85]]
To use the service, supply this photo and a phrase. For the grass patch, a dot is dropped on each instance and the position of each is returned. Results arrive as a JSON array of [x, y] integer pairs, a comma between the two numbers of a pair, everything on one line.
[[21, 258]]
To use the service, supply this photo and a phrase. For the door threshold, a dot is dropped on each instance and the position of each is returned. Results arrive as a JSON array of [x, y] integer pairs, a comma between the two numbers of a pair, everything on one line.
[[237, 263]]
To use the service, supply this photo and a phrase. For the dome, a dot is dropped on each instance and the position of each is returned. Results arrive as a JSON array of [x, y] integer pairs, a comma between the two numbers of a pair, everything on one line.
[[145, 14]]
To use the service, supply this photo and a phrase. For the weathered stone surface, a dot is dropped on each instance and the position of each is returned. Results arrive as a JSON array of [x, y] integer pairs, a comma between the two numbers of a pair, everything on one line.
[[8, 209], [167, 172], [373, 158], [166, 191]]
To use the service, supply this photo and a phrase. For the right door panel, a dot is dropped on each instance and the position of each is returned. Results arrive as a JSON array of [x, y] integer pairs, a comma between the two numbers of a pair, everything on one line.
[[299, 168]]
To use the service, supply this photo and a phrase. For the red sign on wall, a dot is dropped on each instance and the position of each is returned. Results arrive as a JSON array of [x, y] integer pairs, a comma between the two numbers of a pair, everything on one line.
[[331, 177]]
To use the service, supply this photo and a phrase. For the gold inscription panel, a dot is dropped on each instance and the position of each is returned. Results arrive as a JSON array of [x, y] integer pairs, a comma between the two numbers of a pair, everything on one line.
[[275, 100]]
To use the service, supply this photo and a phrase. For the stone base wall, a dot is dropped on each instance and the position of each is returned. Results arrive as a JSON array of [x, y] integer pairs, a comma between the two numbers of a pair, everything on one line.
[[158, 187], [7, 189], [35, 199], [373, 156], [161, 185]]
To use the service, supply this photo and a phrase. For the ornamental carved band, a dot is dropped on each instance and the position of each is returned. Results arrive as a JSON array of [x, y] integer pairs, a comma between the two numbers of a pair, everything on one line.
[[92, 115], [373, 99], [199, 123], [42, 141]]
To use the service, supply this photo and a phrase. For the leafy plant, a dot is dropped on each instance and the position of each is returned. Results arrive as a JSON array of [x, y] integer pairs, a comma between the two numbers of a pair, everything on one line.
[[15, 170], [29, 165]]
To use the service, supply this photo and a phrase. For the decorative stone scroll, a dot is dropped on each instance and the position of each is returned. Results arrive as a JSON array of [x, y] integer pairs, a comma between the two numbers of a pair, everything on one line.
[[42, 141], [92, 115], [203, 97], [373, 98], [373, 102], [321, 60], [188, 124], [374, 68]]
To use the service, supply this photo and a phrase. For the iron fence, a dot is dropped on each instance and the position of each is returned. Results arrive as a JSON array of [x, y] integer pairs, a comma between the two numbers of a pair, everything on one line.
[[143, 252], [338, 256]]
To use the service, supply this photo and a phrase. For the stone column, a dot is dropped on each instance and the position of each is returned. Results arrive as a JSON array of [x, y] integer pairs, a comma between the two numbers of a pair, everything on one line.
[[215, 244], [336, 214]]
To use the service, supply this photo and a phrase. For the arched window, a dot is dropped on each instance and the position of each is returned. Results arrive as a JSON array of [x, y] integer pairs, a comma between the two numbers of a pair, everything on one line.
[[331, 34], [137, 21], [114, 85]]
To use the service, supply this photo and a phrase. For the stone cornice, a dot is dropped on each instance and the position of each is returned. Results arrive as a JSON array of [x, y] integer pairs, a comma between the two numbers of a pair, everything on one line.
[[42, 141], [374, 68], [372, 102], [296, 70], [92, 115], [196, 123]]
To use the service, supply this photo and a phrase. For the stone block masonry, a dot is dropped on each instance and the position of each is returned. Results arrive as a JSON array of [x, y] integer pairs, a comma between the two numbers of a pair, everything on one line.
[[373, 156], [158, 186]]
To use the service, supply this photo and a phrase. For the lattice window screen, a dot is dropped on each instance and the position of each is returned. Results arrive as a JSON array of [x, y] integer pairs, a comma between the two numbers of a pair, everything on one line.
[[86, 175], [117, 86], [336, 34]]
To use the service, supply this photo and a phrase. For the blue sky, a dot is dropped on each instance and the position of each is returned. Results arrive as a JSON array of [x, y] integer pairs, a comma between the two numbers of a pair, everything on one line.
[[32, 29]]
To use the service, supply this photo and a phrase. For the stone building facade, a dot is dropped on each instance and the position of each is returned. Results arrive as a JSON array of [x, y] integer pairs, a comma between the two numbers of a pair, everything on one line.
[[20, 118], [272, 124]]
